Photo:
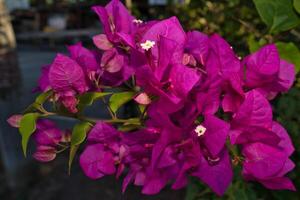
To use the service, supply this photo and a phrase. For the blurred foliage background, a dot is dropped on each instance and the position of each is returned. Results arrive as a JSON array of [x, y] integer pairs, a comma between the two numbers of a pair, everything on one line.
[[247, 25]]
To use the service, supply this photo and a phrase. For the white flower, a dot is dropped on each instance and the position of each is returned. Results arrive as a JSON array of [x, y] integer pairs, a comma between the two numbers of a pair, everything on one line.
[[137, 21], [147, 45], [200, 130]]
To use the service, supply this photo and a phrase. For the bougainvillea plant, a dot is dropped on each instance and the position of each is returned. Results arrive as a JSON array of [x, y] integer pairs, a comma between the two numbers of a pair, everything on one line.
[[202, 109]]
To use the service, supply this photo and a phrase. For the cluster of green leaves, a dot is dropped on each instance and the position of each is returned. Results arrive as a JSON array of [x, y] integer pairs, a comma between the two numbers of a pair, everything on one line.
[[27, 124], [248, 25]]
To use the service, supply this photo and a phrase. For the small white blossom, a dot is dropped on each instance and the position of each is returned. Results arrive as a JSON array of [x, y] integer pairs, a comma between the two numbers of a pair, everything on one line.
[[137, 21], [200, 130], [147, 45]]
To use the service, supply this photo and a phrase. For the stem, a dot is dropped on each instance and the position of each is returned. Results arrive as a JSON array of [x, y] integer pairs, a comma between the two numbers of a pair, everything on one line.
[[44, 111], [129, 5], [204, 192], [133, 80], [118, 120], [88, 119], [114, 119], [62, 150], [295, 33], [95, 120]]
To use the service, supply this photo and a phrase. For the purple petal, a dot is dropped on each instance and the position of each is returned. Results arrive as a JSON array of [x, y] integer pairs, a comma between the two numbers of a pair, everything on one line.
[[105, 20], [84, 57], [70, 102], [127, 180], [219, 176], [101, 132], [168, 28], [254, 134], [111, 61], [168, 136], [279, 183], [101, 41], [48, 137], [223, 58], [115, 18], [183, 79], [234, 94], [94, 163], [43, 124], [254, 111], [127, 39], [166, 50], [121, 16], [107, 165], [154, 183], [66, 75], [286, 76], [285, 140], [45, 153], [140, 178], [166, 158], [44, 83], [198, 45], [216, 134], [289, 165], [262, 66], [262, 160], [208, 101]]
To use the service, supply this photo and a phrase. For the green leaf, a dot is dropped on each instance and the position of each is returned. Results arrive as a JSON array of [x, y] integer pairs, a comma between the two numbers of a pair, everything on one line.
[[297, 5], [43, 97], [88, 98], [27, 128], [73, 151], [78, 136], [142, 108], [79, 133], [252, 44], [279, 15], [129, 127], [39, 101], [119, 99], [289, 52]]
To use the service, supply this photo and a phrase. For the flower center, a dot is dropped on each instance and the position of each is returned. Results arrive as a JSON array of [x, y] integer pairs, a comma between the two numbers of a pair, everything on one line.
[[166, 86], [200, 130], [147, 45]]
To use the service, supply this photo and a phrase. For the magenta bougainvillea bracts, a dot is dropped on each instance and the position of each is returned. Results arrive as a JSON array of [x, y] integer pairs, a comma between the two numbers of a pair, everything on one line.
[[202, 109]]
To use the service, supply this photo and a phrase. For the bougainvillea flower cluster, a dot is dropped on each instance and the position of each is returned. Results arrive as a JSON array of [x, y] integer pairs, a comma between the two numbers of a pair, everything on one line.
[[202, 109]]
